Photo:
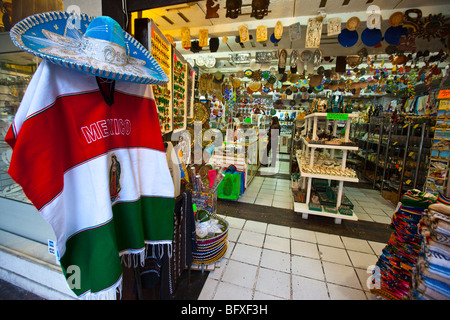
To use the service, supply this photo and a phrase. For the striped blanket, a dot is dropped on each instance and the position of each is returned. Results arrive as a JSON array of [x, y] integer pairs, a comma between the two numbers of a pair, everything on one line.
[[97, 173]]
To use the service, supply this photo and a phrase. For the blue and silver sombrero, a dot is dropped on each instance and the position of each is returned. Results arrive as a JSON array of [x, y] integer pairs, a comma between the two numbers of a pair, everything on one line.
[[97, 46]]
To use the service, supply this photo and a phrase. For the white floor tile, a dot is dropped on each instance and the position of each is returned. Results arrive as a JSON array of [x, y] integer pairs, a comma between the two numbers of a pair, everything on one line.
[[307, 267], [338, 292], [380, 219], [241, 274], [245, 253], [233, 222], [361, 259], [229, 291], [276, 260], [329, 239], [377, 247], [264, 296], [274, 282], [308, 289], [277, 243], [233, 234], [305, 249], [208, 289], [283, 204], [252, 238], [356, 245], [255, 226], [279, 231], [263, 201], [336, 255], [340, 274], [304, 235]]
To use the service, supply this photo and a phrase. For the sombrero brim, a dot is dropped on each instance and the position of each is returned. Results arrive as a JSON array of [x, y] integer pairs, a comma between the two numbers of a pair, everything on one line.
[[348, 38], [31, 35]]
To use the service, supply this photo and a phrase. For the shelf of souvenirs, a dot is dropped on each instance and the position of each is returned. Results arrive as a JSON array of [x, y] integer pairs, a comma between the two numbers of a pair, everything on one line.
[[326, 114], [335, 143], [324, 167]]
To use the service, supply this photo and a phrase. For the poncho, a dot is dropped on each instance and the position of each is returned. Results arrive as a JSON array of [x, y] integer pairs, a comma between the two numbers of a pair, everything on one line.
[[97, 173]]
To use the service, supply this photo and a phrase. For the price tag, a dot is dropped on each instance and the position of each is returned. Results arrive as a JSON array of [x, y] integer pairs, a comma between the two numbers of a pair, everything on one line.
[[411, 153], [395, 143], [408, 181], [400, 169], [337, 116], [405, 126], [415, 127]]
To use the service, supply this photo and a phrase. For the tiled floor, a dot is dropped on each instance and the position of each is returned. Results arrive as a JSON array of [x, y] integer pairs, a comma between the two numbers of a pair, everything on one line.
[[267, 261]]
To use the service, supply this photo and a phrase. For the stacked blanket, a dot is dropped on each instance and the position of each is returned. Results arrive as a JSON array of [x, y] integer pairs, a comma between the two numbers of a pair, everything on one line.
[[431, 279]]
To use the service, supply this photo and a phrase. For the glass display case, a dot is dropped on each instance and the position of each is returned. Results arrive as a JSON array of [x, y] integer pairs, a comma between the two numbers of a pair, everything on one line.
[[16, 70]]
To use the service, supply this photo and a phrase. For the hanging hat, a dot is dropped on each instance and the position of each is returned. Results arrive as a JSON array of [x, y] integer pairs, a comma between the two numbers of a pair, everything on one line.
[[348, 38], [213, 44], [272, 79], [353, 23], [371, 37], [294, 77], [236, 83], [396, 19], [316, 80], [97, 46], [273, 39], [254, 86], [195, 47], [393, 34]]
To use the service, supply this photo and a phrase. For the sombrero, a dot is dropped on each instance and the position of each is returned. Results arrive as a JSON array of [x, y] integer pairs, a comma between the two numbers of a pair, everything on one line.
[[348, 38], [393, 34], [353, 23], [96, 46], [396, 19], [371, 37]]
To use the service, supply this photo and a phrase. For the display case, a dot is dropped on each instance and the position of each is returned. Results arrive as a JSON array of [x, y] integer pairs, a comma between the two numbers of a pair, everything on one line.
[[161, 50], [322, 168], [16, 70]]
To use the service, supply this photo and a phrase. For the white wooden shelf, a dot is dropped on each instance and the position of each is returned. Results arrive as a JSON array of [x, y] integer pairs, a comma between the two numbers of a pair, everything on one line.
[[325, 114], [328, 146], [309, 152], [303, 208]]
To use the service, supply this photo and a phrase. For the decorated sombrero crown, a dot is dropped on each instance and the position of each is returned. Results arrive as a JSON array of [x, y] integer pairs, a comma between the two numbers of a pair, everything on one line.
[[97, 46]]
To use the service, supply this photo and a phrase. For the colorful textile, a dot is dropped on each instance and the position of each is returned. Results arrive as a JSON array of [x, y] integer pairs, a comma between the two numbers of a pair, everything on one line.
[[399, 257], [431, 280], [97, 173]]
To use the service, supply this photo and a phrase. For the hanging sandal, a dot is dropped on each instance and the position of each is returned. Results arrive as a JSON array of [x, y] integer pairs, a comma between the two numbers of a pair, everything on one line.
[[293, 61], [282, 56]]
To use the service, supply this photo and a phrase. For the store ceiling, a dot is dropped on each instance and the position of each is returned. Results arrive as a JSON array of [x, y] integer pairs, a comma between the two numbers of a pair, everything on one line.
[[171, 19]]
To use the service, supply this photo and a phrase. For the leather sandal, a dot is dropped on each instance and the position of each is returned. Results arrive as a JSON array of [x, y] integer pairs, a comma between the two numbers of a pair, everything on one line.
[[282, 56], [293, 61]]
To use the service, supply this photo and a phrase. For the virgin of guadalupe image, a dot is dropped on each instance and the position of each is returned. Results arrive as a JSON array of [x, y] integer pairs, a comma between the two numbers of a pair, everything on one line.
[[114, 178]]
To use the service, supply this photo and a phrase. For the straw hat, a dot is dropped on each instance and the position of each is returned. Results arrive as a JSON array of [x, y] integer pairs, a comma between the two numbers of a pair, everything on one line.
[[254, 85], [396, 19], [353, 23]]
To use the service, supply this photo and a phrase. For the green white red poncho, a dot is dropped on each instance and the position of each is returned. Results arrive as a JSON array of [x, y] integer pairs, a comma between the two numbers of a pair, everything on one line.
[[97, 173]]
